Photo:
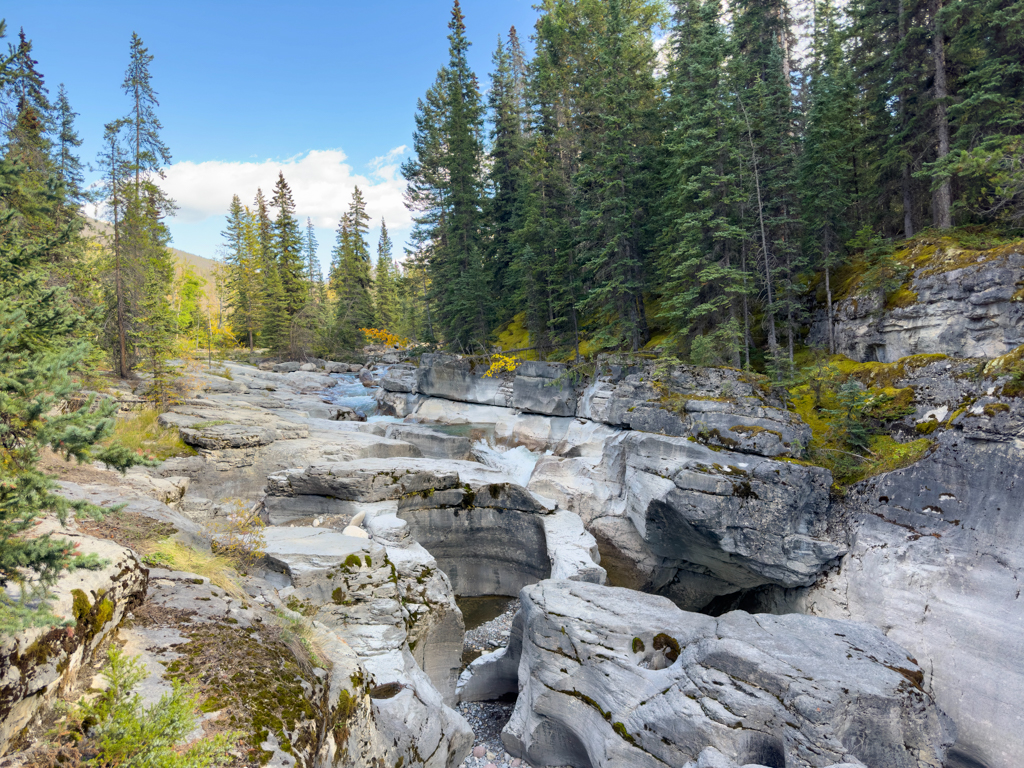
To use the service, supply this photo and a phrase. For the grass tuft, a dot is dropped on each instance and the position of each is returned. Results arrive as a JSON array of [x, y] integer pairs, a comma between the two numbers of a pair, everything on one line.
[[141, 432]]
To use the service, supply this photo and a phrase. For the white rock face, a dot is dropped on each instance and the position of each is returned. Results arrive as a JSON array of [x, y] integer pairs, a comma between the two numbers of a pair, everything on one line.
[[967, 312], [396, 610], [611, 677], [936, 562]]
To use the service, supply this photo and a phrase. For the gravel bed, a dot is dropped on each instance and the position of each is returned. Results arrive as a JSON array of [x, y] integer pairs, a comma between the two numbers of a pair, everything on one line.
[[487, 718]]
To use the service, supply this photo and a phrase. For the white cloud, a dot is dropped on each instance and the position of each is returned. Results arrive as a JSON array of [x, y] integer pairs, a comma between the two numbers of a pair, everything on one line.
[[321, 183]]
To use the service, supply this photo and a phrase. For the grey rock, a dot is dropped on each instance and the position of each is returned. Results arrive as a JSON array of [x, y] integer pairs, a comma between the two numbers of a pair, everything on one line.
[[307, 367], [399, 378], [602, 684], [223, 436], [967, 312], [546, 396], [719, 407], [432, 444], [707, 522], [285, 367], [452, 378], [936, 561], [36, 663]]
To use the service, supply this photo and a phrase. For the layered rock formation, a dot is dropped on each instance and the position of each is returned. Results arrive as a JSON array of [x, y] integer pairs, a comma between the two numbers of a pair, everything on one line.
[[956, 302], [37, 663], [610, 677]]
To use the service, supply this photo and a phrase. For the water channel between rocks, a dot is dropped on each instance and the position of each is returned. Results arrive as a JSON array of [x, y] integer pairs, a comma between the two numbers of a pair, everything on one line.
[[487, 618]]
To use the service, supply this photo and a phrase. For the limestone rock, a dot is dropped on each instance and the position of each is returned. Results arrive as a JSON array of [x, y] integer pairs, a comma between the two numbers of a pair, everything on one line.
[[708, 522], [432, 444], [720, 407], [936, 560], [35, 663], [452, 378], [288, 367], [964, 312], [399, 378], [613, 677]]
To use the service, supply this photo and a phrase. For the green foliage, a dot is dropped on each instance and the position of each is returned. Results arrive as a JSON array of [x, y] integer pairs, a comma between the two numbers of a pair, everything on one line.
[[350, 276], [38, 350], [288, 249], [115, 729]]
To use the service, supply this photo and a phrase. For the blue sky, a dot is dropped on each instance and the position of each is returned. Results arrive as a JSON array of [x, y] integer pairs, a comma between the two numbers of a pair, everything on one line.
[[325, 92]]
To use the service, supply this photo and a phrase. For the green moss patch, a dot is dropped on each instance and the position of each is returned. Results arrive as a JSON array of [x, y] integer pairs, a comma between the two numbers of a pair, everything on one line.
[[254, 680], [668, 645]]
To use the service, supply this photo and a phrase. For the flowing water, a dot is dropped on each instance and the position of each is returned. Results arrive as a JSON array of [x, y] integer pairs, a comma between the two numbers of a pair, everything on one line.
[[518, 463], [351, 393]]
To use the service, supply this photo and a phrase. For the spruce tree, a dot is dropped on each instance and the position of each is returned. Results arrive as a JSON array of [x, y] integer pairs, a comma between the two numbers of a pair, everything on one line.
[[150, 154], [242, 257], [507, 157], [826, 172], [353, 284], [39, 348], [703, 283], [457, 261], [613, 181], [385, 283], [288, 248], [313, 273]]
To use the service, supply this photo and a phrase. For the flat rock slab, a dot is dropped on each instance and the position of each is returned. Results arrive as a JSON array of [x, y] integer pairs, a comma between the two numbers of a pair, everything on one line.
[[304, 552], [612, 677]]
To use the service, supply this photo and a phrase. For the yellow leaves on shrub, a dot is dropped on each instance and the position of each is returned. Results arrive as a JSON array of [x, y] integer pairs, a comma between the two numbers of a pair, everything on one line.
[[386, 338], [502, 364]]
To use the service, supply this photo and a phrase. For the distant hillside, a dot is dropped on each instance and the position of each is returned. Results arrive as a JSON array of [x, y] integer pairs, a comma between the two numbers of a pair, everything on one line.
[[202, 266]]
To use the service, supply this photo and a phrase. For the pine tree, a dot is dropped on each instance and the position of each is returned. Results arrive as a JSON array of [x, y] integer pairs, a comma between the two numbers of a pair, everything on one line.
[[148, 150], [121, 275], [507, 158], [385, 283], [704, 285], [273, 315], [288, 248], [143, 240], [826, 172], [313, 273], [243, 259], [457, 261], [69, 167], [39, 347], [353, 285], [614, 178]]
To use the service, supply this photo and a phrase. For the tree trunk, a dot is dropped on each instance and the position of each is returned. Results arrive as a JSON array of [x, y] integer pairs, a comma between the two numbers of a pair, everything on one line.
[[908, 201], [942, 197]]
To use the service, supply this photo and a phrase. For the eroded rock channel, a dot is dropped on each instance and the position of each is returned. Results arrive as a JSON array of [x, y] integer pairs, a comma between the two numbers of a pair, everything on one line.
[[629, 515]]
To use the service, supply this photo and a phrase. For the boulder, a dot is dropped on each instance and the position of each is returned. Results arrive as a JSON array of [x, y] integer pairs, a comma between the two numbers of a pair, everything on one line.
[[307, 367], [613, 677], [936, 561], [285, 367], [39, 662], [307, 381], [344, 413], [399, 378]]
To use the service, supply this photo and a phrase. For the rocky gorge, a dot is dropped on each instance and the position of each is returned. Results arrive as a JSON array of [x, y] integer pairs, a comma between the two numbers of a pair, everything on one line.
[[692, 591]]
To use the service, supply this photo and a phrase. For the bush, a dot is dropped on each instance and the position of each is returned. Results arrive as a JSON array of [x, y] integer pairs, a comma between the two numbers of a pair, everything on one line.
[[239, 536], [114, 729]]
